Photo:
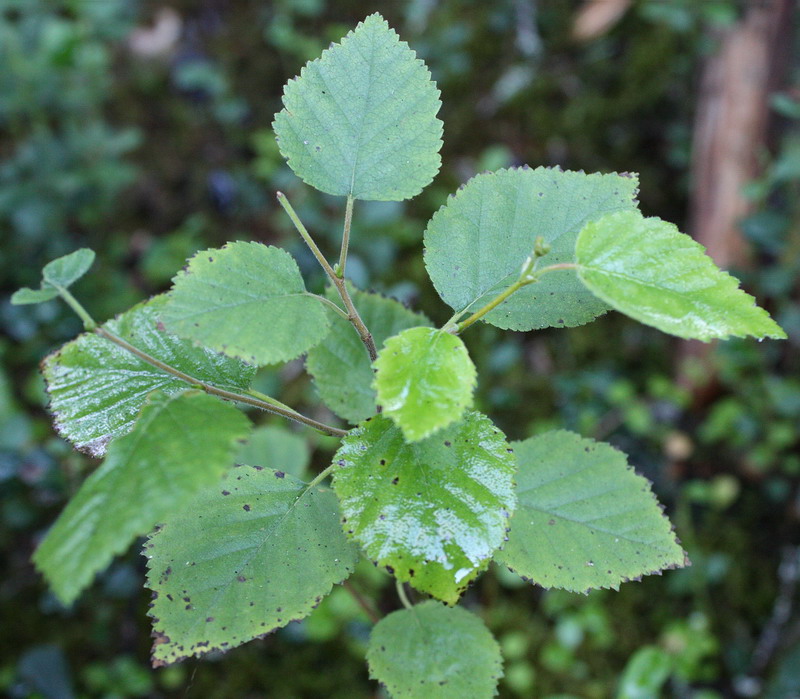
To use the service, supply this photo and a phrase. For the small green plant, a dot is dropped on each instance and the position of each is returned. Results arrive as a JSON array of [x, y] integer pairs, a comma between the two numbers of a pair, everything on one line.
[[422, 485]]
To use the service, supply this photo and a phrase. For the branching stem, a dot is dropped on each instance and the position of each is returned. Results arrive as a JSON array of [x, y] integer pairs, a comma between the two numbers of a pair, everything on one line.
[[254, 398], [271, 406], [338, 281], [528, 276]]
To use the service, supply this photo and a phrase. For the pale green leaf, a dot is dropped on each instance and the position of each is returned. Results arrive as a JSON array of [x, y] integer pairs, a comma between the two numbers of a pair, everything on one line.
[[647, 269], [60, 273], [97, 388], [645, 674], [361, 119], [340, 364], [180, 443], [435, 652], [246, 300], [66, 270], [270, 550], [432, 512], [424, 379], [585, 518], [476, 245], [25, 295], [277, 448]]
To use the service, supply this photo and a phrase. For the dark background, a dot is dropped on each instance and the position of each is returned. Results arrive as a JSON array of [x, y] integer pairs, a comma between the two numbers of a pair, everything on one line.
[[142, 130]]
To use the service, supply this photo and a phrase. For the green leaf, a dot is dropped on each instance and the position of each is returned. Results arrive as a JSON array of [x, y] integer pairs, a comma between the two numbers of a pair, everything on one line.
[[434, 652], [26, 296], [66, 270], [278, 448], [97, 388], [647, 269], [476, 245], [431, 512], [181, 442], [361, 120], [60, 273], [340, 364], [246, 300], [270, 550], [645, 674], [424, 379], [585, 518]]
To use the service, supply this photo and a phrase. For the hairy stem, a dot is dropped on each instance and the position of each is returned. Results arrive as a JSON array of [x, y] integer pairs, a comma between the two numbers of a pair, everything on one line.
[[348, 220], [338, 281], [271, 407], [401, 593]]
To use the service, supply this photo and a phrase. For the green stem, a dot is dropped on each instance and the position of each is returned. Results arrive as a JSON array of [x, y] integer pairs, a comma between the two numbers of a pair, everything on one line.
[[348, 219], [331, 305], [271, 407], [338, 282], [305, 235], [526, 277], [321, 476], [266, 398], [494, 303], [88, 322], [401, 593]]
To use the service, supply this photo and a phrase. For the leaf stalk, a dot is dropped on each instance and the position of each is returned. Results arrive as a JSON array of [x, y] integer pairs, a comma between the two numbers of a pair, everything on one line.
[[336, 276]]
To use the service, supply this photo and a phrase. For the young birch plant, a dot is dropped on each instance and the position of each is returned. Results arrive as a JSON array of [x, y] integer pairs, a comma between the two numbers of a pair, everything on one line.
[[422, 484]]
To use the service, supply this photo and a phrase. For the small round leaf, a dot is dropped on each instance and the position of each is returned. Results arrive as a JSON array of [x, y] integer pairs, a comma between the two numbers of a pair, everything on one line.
[[435, 652], [424, 379]]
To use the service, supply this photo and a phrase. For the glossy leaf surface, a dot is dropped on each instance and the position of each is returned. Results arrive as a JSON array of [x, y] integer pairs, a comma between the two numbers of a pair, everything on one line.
[[246, 300], [62, 272], [477, 243], [361, 119], [340, 364], [435, 652], [424, 379], [431, 512], [647, 269], [97, 388], [170, 454], [277, 448], [270, 550], [585, 518]]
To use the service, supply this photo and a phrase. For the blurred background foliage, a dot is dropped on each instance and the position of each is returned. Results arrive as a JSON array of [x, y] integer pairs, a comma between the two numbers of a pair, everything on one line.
[[142, 130]]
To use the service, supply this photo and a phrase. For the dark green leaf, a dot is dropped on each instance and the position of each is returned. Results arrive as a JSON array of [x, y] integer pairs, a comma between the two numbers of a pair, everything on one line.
[[180, 443], [270, 550], [435, 652], [278, 448], [361, 119], [476, 245], [246, 300], [585, 518]]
